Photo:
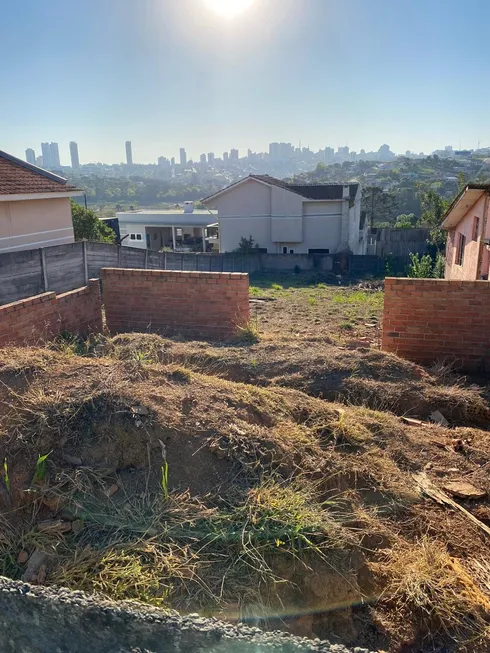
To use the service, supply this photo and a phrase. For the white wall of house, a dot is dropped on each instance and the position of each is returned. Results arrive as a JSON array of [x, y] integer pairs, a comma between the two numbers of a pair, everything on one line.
[[279, 219], [29, 224]]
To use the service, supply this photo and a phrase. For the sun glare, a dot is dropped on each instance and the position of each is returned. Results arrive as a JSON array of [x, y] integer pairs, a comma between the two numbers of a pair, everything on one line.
[[229, 8]]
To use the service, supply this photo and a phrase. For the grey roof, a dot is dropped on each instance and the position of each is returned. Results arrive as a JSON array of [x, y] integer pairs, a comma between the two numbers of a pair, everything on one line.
[[309, 191]]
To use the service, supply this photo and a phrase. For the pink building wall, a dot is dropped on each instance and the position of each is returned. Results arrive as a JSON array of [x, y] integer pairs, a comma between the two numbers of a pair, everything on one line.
[[468, 271]]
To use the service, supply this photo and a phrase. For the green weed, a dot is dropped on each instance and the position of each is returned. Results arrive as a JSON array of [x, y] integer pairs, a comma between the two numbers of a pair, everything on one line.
[[40, 473], [6, 477], [164, 480]]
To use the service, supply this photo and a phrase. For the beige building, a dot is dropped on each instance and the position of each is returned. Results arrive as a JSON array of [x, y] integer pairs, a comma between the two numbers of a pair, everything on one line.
[[285, 218], [35, 209]]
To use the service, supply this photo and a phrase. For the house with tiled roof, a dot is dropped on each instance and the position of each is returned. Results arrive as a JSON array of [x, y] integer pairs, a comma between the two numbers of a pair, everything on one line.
[[288, 218], [35, 208]]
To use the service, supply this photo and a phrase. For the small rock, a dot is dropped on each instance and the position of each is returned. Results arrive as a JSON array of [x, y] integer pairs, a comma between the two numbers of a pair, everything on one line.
[[77, 526], [37, 559], [464, 490], [138, 423], [112, 490], [22, 558], [41, 575], [220, 453], [52, 502], [140, 410], [73, 460]]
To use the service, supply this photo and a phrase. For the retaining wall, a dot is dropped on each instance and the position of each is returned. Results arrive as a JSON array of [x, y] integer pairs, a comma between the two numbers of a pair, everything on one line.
[[197, 304], [43, 317], [432, 319]]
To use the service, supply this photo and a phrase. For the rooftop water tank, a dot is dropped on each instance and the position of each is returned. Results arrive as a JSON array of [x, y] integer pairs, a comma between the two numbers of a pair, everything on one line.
[[188, 207]]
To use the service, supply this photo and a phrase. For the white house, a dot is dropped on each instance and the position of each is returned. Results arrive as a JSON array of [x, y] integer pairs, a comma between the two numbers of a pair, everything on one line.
[[180, 229], [288, 218]]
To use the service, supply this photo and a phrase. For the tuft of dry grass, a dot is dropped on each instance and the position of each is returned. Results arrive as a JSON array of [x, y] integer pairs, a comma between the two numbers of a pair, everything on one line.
[[424, 580]]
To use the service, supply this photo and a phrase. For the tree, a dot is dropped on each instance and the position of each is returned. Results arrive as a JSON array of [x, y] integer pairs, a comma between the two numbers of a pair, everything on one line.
[[406, 221], [434, 208], [246, 246], [380, 205], [87, 226]]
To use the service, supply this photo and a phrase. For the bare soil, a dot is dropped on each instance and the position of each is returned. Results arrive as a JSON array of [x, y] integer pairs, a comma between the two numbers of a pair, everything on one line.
[[273, 481]]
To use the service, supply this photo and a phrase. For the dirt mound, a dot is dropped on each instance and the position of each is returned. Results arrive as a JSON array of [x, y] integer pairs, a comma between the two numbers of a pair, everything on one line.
[[366, 377], [243, 500]]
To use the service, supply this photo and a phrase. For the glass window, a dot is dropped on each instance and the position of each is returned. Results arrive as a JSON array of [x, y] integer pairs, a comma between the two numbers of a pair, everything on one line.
[[460, 251]]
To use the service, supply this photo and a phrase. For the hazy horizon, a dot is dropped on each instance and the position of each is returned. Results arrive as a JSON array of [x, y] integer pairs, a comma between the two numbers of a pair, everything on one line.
[[167, 74]]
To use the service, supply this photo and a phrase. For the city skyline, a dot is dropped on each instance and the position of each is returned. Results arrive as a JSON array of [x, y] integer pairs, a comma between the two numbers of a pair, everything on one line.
[[285, 70], [274, 150]]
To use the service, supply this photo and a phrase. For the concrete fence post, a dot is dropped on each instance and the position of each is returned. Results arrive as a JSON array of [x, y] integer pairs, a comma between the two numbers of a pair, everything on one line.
[[119, 256], [85, 262], [44, 270], [146, 259]]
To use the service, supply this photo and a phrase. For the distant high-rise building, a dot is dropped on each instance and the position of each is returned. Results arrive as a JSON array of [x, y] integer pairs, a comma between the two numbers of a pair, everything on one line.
[[75, 161], [449, 148], [46, 154], [226, 156], [249, 153], [183, 156], [129, 153], [234, 155], [203, 158], [39, 161], [30, 156], [54, 155], [211, 158], [329, 154], [274, 150], [172, 161], [286, 150]]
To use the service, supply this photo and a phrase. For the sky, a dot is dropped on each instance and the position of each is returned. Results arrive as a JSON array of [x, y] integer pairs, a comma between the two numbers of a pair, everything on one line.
[[167, 74]]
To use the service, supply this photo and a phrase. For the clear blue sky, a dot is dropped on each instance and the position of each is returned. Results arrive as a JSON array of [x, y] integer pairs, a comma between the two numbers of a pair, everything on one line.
[[172, 73]]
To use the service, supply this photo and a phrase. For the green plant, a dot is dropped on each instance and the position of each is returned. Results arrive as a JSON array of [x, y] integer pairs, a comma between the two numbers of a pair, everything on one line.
[[277, 286], [40, 473], [164, 480], [246, 246], [439, 266], [420, 266], [6, 477], [312, 301]]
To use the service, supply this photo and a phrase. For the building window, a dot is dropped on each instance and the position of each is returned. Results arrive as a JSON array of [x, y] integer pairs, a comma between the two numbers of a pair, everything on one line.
[[476, 227], [139, 237], [291, 251], [460, 250], [318, 251], [135, 237], [178, 232], [284, 250], [132, 237]]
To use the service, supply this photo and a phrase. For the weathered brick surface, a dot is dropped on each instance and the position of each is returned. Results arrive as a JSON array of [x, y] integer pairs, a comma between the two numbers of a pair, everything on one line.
[[431, 319], [43, 317], [197, 304]]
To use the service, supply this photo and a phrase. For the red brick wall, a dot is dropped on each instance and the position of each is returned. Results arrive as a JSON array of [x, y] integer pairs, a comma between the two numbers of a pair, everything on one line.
[[197, 304], [430, 319], [43, 317]]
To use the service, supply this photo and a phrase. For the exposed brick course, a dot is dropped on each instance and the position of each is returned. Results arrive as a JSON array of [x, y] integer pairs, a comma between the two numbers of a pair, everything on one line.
[[196, 304], [43, 317], [430, 319]]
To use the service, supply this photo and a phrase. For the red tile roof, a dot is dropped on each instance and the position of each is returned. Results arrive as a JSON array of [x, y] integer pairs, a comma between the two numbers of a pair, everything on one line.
[[20, 178]]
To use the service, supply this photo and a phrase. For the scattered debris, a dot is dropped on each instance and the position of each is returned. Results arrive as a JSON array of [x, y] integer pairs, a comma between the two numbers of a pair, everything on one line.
[[428, 489], [438, 418], [464, 490], [414, 422], [457, 444], [54, 526]]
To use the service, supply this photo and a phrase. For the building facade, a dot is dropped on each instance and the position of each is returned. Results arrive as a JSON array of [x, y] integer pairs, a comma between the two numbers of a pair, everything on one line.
[[31, 156], [468, 226], [290, 219], [35, 209], [129, 153]]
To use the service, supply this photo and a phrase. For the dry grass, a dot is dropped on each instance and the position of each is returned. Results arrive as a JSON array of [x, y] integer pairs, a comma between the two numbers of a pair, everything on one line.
[[423, 580], [289, 473]]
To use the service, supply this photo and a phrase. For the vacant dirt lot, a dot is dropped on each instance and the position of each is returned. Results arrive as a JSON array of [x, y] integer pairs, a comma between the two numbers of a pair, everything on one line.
[[292, 478]]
